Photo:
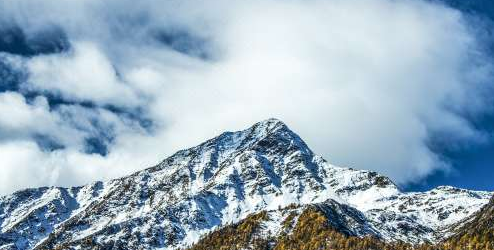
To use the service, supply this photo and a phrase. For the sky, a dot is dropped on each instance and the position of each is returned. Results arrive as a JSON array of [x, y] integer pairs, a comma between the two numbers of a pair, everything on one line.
[[93, 90]]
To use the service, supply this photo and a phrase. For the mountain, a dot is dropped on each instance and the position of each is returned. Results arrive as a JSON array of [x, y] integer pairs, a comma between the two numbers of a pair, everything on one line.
[[265, 170], [475, 231]]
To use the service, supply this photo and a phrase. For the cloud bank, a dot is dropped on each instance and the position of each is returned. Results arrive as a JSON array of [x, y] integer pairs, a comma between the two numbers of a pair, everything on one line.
[[99, 89]]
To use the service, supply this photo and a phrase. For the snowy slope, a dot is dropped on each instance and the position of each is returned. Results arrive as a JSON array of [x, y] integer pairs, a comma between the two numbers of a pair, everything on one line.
[[223, 180]]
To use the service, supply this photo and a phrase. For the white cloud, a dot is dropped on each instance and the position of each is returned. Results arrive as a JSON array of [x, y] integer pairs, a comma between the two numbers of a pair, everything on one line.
[[23, 165], [85, 75], [18, 115], [20, 120], [365, 83]]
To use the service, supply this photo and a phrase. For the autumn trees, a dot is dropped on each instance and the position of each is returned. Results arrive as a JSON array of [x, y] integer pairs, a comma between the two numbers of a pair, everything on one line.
[[310, 230]]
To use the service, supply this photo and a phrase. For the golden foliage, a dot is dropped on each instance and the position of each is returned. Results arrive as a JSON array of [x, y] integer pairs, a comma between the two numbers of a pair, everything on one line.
[[313, 232], [236, 236]]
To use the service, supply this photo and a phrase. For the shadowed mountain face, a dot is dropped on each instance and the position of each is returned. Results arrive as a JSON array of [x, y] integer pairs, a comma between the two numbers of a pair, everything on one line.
[[266, 168]]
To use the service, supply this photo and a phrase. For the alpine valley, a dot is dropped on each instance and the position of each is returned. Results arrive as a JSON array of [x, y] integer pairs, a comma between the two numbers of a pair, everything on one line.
[[260, 188]]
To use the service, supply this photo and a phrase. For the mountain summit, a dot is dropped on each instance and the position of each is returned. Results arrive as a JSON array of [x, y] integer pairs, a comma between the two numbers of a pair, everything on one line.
[[266, 167]]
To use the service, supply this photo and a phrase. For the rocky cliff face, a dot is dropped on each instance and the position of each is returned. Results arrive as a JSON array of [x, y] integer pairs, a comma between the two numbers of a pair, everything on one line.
[[264, 168]]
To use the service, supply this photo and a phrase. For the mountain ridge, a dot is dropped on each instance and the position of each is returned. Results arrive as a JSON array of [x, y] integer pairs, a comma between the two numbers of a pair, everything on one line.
[[218, 182]]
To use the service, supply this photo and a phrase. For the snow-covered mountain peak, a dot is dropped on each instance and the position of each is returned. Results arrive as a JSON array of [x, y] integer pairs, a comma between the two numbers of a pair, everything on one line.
[[221, 181], [265, 135], [262, 135], [269, 148], [267, 126]]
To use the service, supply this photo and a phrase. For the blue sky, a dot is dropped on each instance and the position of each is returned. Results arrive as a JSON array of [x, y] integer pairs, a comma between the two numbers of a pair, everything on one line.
[[473, 164], [93, 90], [473, 170]]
